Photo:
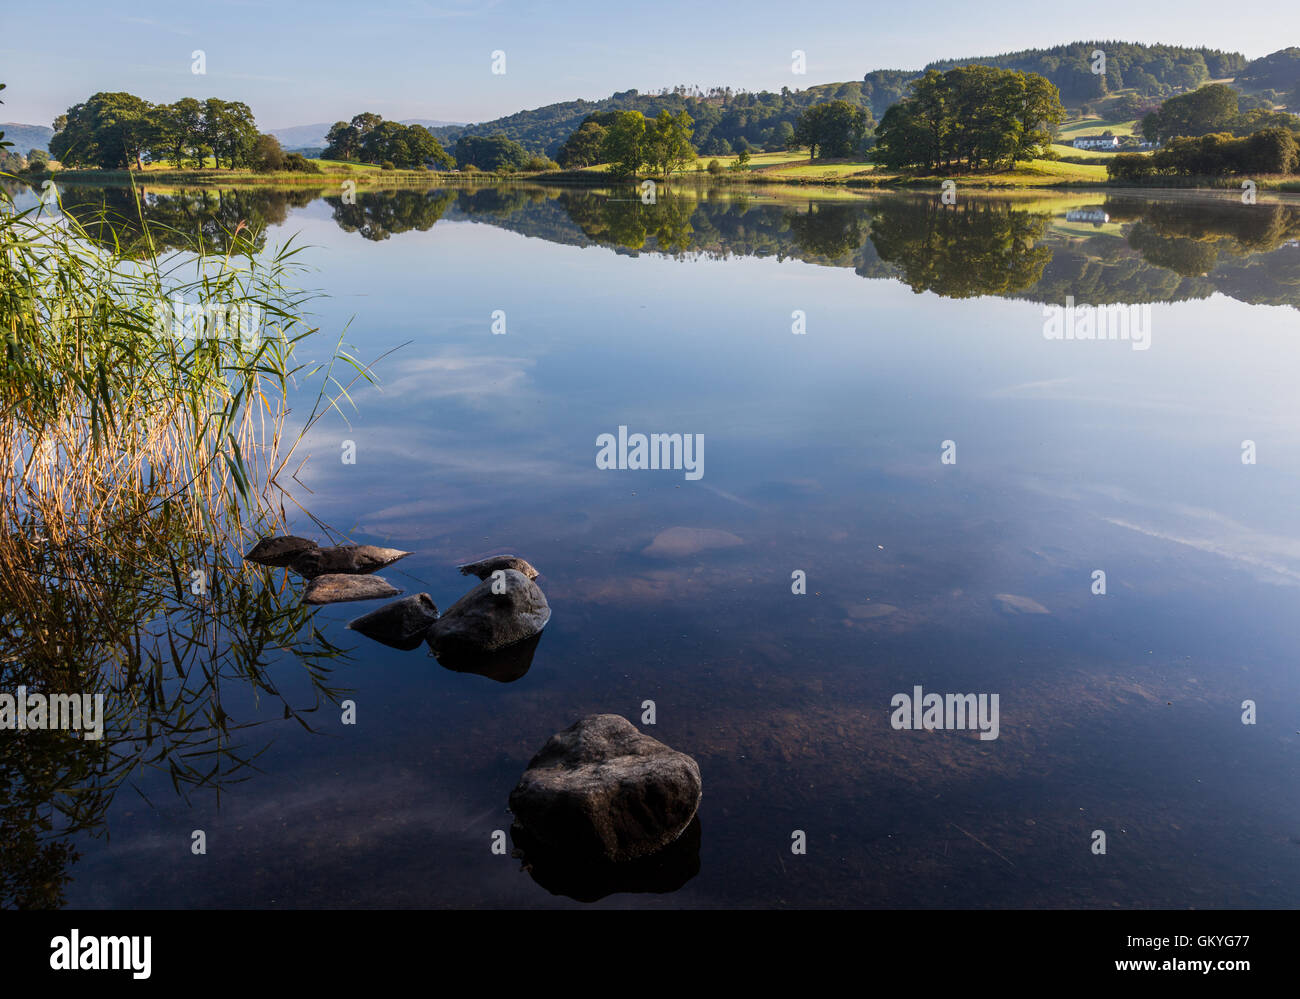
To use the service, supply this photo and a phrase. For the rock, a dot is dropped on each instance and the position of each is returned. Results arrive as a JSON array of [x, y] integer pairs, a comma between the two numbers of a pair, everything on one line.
[[678, 542], [482, 621], [866, 612], [401, 624], [489, 565], [352, 559], [602, 790], [589, 881], [1013, 604], [280, 551], [504, 665], [336, 587]]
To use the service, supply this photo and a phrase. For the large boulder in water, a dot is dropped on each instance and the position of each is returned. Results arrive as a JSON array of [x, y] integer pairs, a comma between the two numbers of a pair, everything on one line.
[[485, 620], [604, 791], [280, 551], [353, 559], [400, 624]]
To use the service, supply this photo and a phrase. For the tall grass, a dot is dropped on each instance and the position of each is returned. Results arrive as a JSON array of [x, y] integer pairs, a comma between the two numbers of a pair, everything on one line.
[[137, 465]]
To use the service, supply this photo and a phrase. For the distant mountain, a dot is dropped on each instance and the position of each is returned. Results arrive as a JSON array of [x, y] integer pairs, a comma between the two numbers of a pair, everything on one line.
[[313, 136], [25, 138]]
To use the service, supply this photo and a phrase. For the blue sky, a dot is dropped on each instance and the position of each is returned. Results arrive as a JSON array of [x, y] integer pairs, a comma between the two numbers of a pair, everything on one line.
[[297, 64]]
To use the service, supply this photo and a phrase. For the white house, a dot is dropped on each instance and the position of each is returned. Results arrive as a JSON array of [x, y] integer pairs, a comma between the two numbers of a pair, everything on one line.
[[1097, 142]]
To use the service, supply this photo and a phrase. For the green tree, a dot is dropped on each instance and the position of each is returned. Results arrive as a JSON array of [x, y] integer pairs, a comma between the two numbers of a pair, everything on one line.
[[583, 147], [495, 153], [668, 146], [835, 129], [624, 145], [267, 155], [1209, 109], [970, 117], [178, 130], [345, 139], [109, 130]]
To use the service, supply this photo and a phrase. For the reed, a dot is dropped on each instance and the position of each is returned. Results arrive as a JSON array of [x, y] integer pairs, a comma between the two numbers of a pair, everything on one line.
[[139, 460]]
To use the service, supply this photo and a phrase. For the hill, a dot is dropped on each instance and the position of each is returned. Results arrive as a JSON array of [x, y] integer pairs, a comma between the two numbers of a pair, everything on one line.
[[25, 138], [1148, 70], [725, 117], [1279, 71]]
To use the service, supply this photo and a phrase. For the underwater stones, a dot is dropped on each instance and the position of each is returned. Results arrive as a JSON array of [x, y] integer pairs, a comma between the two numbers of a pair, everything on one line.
[[400, 624], [488, 566], [603, 791], [1010, 603], [500, 611], [678, 542], [337, 587], [279, 551], [352, 559]]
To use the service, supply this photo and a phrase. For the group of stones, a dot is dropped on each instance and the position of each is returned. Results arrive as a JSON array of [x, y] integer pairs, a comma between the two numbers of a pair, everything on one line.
[[602, 807]]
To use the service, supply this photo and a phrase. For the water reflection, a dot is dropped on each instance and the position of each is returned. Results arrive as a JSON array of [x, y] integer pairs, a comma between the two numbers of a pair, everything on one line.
[[589, 881], [504, 665], [1113, 248]]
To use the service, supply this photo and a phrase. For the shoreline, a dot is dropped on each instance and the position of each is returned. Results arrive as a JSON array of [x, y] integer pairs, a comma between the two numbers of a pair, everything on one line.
[[423, 179]]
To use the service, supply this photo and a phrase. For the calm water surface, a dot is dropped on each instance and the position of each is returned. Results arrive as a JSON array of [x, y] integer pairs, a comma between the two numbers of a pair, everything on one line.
[[924, 325]]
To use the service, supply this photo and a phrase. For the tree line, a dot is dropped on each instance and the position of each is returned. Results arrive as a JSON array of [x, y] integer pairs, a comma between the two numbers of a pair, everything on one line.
[[115, 131], [1268, 151]]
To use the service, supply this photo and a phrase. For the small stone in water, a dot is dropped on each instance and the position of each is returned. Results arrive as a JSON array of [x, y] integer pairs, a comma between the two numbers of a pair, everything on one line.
[[337, 587]]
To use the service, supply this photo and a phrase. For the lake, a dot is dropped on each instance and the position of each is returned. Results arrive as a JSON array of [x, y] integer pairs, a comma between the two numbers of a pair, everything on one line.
[[908, 476]]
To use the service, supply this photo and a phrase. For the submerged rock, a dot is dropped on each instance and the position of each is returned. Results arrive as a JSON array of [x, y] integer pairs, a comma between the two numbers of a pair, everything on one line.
[[352, 559], [484, 621], [334, 588], [401, 624], [678, 542], [280, 551], [591, 880], [1014, 604], [603, 790], [488, 566]]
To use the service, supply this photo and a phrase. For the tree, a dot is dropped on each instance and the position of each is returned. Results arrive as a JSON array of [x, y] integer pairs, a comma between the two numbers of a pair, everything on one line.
[[177, 130], [267, 155], [624, 144], [495, 153], [345, 139], [1209, 109], [969, 118], [835, 128], [782, 136], [668, 144], [583, 147], [109, 130]]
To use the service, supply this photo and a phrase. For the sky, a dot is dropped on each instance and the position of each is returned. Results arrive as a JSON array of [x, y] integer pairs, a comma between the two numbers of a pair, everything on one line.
[[297, 64]]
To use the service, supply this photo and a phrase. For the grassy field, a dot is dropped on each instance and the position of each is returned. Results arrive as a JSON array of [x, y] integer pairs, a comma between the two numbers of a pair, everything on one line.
[[787, 167]]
